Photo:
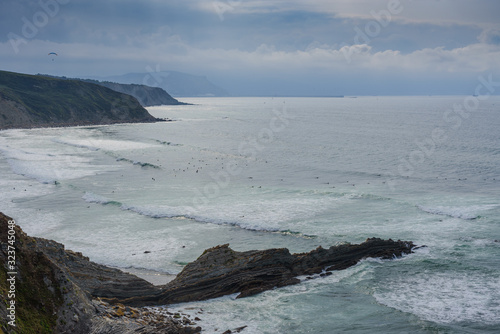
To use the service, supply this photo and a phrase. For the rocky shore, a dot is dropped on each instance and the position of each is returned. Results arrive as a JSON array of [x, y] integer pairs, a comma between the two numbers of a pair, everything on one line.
[[61, 291], [55, 291]]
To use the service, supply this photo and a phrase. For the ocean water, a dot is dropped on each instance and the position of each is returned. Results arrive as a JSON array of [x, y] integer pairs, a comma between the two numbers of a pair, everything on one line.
[[261, 173]]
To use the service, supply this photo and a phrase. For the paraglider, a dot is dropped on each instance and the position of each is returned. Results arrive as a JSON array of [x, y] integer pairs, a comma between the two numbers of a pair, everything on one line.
[[52, 54]]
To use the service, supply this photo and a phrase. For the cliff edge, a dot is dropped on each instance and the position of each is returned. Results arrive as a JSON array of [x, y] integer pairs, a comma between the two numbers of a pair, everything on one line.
[[28, 101], [146, 95], [48, 289]]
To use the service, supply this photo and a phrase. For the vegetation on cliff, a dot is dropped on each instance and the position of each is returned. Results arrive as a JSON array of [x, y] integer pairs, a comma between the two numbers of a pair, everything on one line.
[[36, 101], [47, 296], [147, 96]]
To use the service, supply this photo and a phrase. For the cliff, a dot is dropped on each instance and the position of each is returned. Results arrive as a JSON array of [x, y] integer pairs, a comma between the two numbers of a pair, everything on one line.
[[62, 291], [34, 101], [176, 83], [147, 96], [50, 290]]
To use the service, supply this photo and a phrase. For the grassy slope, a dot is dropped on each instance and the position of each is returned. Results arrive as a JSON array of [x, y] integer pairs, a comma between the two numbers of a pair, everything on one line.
[[49, 101], [37, 291]]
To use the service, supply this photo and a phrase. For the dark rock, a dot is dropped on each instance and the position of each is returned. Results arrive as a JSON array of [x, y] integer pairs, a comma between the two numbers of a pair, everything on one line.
[[221, 271], [97, 280], [57, 286]]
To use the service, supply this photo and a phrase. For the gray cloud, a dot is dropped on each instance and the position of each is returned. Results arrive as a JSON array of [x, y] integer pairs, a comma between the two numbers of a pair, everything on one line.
[[262, 42]]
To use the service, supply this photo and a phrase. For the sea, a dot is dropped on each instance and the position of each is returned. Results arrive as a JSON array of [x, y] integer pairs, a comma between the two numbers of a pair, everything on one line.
[[294, 173]]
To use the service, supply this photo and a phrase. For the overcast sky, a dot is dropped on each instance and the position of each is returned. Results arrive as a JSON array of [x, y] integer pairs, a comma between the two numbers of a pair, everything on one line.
[[257, 47]]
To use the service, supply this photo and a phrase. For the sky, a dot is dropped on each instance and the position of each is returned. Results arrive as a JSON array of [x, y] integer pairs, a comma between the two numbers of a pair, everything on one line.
[[263, 48]]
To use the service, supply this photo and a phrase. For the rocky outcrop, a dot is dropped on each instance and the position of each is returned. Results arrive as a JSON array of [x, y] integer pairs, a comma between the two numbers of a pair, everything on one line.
[[53, 289], [35, 101], [222, 271], [61, 291]]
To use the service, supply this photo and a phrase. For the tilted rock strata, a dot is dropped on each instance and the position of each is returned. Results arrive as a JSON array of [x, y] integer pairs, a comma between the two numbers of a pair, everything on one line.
[[221, 271], [60, 284]]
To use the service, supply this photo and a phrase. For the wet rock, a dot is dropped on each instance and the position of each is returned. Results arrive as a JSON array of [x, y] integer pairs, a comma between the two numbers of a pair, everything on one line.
[[222, 271], [219, 271]]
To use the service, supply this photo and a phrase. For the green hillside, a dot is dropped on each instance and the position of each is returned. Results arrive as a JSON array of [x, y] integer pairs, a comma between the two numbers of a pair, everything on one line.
[[35, 101]]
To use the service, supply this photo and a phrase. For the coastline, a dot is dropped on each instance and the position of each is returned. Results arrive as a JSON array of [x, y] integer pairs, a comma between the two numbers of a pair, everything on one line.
[[50, 291], [78, 124], [83, 296]]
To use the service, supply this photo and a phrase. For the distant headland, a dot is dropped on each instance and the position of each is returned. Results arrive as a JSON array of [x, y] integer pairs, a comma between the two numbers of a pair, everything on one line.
[[30, 101]]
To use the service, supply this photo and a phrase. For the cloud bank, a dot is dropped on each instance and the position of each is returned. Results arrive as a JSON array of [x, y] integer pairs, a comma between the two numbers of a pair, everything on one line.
[[262, 47]]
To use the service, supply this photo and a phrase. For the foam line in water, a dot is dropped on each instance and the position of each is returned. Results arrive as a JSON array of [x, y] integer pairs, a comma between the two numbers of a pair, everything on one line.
[[139, 163], [184, 212], [188, 213], [462, 212], [90, 197], [95, 144]]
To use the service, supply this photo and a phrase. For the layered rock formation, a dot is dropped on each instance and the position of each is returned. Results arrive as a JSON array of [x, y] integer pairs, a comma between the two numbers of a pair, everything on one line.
[[53, 292], [56, 287], [221, 271]]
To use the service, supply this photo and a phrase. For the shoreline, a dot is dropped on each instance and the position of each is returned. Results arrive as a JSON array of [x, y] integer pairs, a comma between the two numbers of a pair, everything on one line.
[[79, 124]]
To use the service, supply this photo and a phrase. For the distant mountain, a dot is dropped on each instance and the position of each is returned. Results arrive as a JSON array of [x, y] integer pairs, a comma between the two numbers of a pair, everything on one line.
[[176, 83], [36, 101]]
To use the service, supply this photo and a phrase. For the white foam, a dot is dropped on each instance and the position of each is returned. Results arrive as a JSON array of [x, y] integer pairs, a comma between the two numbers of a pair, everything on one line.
[[157, 212], [90, 197], [265, 213], [15, 191], [93, 143], [46, 167], [278, 215], [268, 312], [445, 297], [40, 159], [462, 212], [246, 219]]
